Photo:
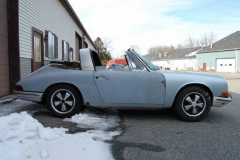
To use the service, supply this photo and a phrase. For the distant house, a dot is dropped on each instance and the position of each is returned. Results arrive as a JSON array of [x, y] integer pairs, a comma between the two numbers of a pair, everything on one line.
[[221, 56], [181, 59], [32, 33]]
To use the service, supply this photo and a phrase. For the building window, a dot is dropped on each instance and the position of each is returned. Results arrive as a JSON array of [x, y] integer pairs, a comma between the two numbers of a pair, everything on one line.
[[71, 53], [37, 48], [65, 50], [51, 45]]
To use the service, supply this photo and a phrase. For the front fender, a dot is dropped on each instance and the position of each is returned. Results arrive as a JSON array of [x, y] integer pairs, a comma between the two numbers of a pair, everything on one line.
[[175, 81]]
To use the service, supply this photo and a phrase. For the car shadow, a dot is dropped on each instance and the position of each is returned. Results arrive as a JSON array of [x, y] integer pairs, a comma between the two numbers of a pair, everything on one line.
[[216, 114], [47, 119], [160, 114]]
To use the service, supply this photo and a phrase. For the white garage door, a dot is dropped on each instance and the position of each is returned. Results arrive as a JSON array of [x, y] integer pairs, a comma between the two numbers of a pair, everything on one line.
[[225, 65]]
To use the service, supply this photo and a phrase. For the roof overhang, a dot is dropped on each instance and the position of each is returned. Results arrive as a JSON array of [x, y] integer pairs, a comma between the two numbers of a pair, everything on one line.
[[174, 59], [233, 49]]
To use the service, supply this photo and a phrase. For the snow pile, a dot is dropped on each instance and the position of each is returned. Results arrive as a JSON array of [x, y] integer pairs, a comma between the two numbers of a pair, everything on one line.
[[23, 137]]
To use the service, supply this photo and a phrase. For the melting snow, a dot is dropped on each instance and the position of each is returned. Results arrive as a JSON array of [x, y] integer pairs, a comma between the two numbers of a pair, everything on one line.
[[101, 121], [6, 100], [6, 109], [23, 137]]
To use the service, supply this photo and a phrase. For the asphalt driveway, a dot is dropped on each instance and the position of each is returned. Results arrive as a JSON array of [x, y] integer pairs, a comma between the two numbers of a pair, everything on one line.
[[161, 135]]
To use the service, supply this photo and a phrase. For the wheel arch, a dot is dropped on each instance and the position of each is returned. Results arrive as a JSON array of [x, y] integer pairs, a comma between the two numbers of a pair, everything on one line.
[[44, 99], [195, 84]]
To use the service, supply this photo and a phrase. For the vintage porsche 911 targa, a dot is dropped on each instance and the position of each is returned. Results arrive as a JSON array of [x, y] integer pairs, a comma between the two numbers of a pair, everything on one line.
[[140, 85]]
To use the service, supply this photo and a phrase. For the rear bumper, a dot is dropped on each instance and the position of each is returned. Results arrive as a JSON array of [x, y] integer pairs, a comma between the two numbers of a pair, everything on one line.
[[29, 96], [221, 101]]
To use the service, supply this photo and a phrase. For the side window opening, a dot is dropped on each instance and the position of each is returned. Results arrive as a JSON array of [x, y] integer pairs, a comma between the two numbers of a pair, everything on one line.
[[135, 64], [96, 59]]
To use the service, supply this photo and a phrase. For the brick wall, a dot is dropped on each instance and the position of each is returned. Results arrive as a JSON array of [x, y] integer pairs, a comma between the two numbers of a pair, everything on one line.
[[25, 67], [4, 65]]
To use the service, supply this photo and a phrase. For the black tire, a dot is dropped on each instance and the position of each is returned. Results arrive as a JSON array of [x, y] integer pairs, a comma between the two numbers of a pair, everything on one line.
[[64, 101], [193, 103]]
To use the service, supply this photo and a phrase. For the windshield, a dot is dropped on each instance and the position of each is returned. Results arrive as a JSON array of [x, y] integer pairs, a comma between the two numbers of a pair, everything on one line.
[[147, 62]]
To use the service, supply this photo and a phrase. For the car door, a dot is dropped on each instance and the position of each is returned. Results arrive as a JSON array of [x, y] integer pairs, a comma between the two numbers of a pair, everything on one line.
[[134, 86], [122, 86]]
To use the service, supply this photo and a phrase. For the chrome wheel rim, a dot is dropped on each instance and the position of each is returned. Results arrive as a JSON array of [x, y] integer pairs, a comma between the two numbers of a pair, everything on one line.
[[194, 104], [63, 101]]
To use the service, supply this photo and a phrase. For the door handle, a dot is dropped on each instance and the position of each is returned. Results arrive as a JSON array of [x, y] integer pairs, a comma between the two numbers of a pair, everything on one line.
[[101, 78]]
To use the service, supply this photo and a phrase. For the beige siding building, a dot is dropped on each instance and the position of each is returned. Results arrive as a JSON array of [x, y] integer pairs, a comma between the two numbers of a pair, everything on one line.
[[36, 33]]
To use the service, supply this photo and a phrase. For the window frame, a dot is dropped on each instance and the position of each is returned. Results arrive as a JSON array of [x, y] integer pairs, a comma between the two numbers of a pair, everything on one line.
[[130, 62], [39, 33], [53, 55], [65, 56]]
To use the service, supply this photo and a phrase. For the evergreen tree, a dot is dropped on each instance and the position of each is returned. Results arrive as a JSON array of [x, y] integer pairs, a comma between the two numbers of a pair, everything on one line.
[[102, 50]]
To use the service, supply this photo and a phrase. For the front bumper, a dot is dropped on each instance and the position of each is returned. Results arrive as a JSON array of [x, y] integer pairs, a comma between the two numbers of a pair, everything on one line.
[[29, 96], [221, 101]]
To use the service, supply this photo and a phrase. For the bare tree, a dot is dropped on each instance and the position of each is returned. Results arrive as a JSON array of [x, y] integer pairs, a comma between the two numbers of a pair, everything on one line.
[[206, 40], [212, 37], [151, 51], [107, 44], [180, 46], [190, 42], [159, 49], [198, 43]]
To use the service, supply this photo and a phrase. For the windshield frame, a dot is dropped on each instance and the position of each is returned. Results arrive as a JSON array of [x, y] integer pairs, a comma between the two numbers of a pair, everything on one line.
[[145, 61]]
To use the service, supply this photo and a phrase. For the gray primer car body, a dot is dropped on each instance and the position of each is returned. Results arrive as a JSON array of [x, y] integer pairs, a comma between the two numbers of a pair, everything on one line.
[[131, 88]]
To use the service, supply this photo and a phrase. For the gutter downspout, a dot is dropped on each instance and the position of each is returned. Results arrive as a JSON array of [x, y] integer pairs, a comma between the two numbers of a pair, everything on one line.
[[236, 61], [83, 40]]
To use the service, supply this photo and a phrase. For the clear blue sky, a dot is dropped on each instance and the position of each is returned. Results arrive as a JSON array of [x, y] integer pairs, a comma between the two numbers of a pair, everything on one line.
[[147, 23], [210, 12]]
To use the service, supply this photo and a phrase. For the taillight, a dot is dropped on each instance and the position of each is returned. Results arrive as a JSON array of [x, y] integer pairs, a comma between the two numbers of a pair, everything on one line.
[[18, 88]]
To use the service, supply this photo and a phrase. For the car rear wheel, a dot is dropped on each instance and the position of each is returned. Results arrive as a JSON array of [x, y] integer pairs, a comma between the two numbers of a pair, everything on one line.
[[192, 103], [63, 101]]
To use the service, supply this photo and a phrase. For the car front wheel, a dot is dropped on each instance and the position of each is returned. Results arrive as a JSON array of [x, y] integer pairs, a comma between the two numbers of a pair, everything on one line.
[[63, 101], [192, 103]]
